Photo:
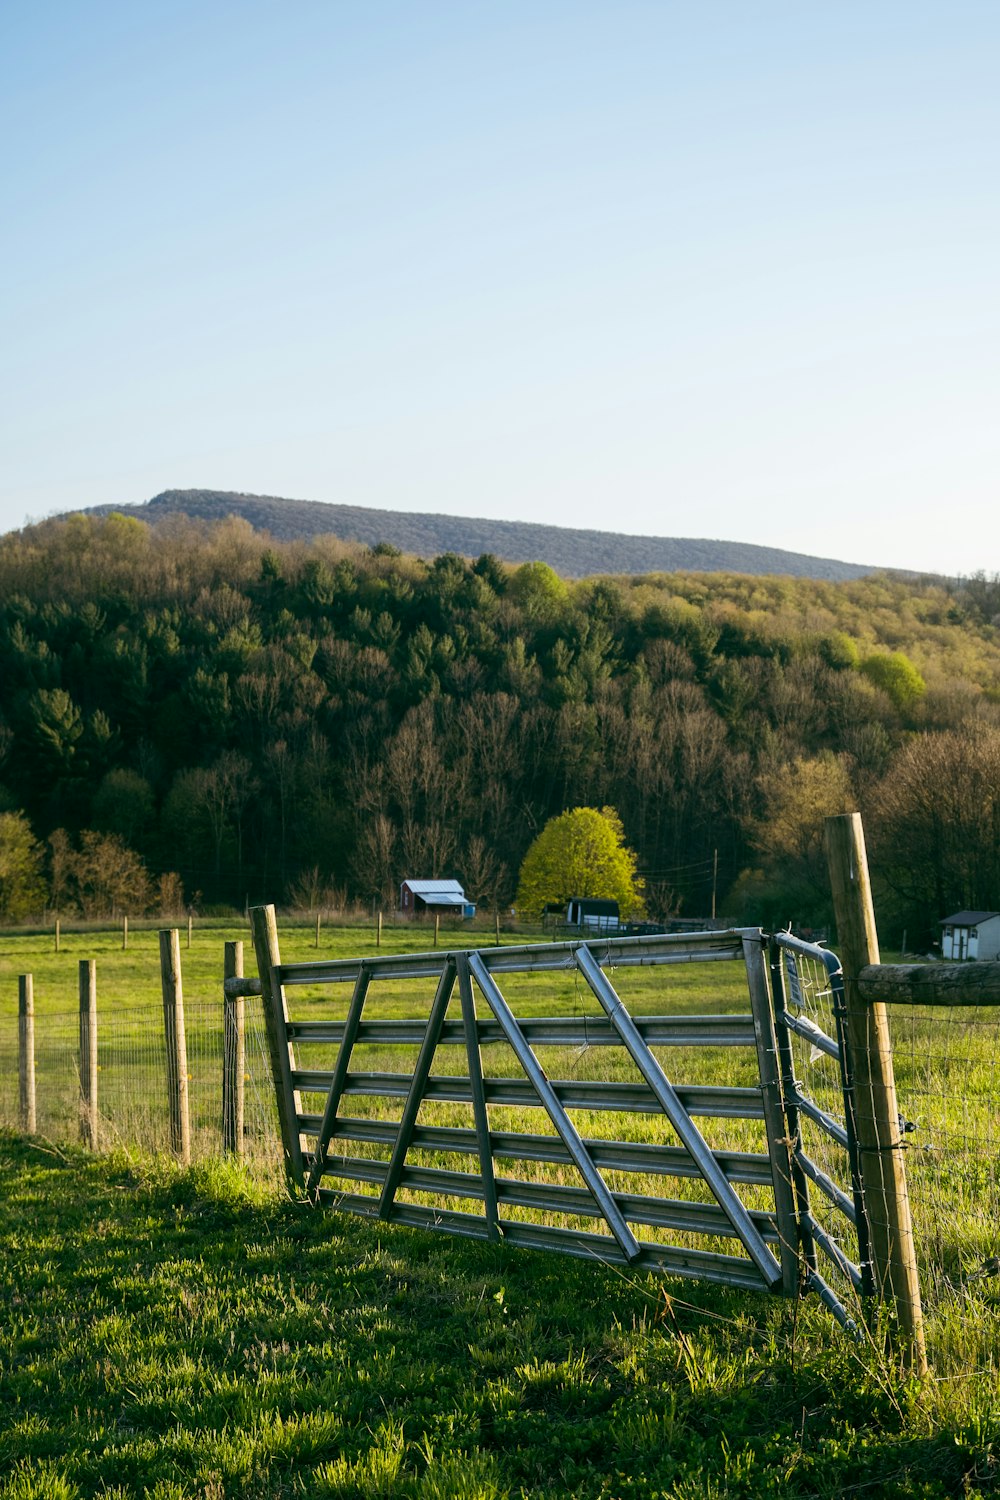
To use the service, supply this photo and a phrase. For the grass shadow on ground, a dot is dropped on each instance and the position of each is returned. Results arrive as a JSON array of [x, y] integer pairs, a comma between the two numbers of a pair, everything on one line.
[[184, 1334]]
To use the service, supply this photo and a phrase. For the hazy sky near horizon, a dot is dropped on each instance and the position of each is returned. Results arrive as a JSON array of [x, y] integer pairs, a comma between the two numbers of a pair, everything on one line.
[[687, 269]]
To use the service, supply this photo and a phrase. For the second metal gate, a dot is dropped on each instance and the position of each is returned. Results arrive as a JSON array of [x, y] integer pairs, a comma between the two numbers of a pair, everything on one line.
[[819, 1097]]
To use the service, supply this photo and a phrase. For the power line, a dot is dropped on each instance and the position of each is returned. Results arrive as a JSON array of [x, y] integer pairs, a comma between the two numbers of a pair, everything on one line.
[[694, 865]]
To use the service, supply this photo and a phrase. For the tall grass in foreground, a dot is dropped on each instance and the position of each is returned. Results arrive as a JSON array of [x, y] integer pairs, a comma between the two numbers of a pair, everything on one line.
[[175, 1334]]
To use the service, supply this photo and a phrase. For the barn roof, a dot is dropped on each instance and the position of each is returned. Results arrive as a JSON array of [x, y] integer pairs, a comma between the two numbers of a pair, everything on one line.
[[439, 892], [967, 918]]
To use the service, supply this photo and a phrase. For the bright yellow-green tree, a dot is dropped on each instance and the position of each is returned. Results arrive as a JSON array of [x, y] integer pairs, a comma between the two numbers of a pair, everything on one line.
[[895, 674], [22, 889], [580, 853]]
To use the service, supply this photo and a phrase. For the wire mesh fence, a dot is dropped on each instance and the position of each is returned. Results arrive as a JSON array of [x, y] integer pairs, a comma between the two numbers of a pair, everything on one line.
[[133, 1108], [10, 1114], [947, 1064], [946, 1061]]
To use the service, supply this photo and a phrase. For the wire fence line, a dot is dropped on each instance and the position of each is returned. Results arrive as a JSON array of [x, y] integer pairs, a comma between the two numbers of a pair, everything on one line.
[[946, 1061], [948, 1083], [133, 1100]]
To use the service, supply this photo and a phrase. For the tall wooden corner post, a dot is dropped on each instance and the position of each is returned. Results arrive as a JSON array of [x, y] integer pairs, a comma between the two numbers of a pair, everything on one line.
[[883, 1171]]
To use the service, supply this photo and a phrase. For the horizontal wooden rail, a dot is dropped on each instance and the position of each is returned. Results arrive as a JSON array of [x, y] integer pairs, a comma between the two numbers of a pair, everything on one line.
[[931, 984], [238, 987]]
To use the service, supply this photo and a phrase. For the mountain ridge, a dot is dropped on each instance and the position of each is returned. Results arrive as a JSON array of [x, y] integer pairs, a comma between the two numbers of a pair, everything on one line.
[[572, 551]]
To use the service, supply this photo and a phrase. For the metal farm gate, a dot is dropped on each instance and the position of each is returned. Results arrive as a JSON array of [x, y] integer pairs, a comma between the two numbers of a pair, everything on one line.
[[405, 1099], [819, 1098]]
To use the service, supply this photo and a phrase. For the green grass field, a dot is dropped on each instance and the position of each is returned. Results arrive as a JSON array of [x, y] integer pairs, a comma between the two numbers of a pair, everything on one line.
[[132, 1082], [182, 1334], [196, 1333]]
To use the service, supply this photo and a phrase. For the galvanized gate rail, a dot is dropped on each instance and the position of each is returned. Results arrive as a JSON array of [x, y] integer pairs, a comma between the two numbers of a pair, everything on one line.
[[318, 1143], [796, 1013]]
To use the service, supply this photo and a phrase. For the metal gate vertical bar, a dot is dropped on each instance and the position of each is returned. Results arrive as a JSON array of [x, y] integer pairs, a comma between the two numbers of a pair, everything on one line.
[[340, 1071], [678, 1116], [865, 1259], [550, 1101], [800, 1181], [418, 1084], [775, 1121], [479, 1112]]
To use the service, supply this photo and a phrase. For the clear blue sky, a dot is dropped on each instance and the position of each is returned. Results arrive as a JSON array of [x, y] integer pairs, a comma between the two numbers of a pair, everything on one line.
[[700, 269]]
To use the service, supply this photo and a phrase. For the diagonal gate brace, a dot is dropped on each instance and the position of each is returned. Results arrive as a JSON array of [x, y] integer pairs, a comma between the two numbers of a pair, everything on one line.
[[549, 1099], [477, 1087], [339, 1078], [678, 1116], [418, 1087]]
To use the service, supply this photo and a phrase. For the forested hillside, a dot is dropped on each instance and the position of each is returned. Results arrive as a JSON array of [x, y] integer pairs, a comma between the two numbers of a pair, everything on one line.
[[286, 720], [572, 552]]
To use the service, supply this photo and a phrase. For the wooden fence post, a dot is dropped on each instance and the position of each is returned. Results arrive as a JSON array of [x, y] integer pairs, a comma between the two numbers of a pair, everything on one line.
[[265, 941], [88, 1052], [57, 934], [190, 925], [233, 1056], [26, 1053], [173, 1029], [880, 1141], [437, 927], [378, 930], [318, 925], [497, 916], [124, 932]]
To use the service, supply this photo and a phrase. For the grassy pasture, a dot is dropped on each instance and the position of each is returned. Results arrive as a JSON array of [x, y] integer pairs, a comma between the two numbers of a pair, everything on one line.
[[178, 1334], [131, 1059], [272, 1350]]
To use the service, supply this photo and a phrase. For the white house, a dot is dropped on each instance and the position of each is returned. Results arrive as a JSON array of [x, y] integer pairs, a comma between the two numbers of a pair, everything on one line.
[[971, 934]]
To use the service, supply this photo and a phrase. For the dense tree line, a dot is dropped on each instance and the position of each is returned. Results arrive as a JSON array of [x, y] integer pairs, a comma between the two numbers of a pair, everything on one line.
[[288, 720]]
